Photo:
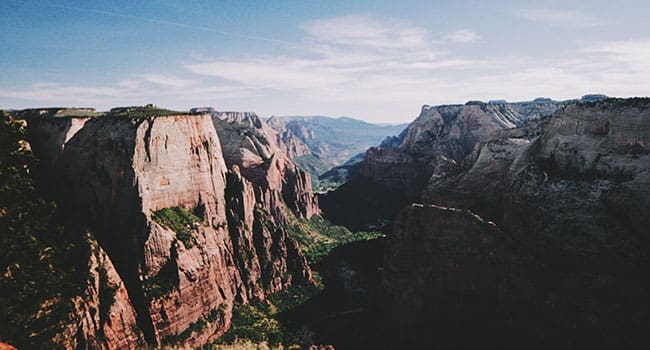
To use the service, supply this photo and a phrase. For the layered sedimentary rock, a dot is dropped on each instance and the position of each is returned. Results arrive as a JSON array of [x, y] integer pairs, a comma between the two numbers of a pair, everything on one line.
[[118, 178], [253, 146], [434, 146], [104, 315], [439, 139], [565, 198]]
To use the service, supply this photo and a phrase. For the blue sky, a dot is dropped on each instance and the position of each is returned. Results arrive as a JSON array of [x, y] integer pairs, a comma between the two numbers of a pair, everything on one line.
[[374, 60]]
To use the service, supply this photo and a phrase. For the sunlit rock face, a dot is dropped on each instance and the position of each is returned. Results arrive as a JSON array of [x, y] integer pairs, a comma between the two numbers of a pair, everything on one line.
[[113, 176]]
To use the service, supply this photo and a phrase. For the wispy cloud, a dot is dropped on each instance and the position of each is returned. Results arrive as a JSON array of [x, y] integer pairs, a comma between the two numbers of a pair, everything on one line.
[[377, 68], [563, 18], [347, 54], [167, 81], [153, 88], [367, 31], [463, 36]]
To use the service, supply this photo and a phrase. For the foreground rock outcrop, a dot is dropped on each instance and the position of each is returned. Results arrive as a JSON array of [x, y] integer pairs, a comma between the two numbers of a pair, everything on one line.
[[554, 249], [187, 212]]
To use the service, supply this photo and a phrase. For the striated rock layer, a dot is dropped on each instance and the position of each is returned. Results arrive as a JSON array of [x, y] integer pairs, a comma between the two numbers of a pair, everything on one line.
[[116, 177], [554, 250], [439, 139], [433, 146], [254, 147]]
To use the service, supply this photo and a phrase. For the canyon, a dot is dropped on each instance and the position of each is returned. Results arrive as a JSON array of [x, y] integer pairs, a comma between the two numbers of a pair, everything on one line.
[[520, 224], [328, 147]]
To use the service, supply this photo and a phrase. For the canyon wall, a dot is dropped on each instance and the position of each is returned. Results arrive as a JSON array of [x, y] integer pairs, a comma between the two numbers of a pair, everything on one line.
[[434, 146], [187, 212], [554, 248]]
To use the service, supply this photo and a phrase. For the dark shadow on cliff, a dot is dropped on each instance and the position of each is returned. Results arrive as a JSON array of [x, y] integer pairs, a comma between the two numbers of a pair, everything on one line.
[[343, 314], [360, 205]]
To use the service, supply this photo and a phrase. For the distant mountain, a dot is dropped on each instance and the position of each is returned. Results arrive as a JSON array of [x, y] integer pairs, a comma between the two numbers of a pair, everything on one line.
[[437, 142], [320, 143]]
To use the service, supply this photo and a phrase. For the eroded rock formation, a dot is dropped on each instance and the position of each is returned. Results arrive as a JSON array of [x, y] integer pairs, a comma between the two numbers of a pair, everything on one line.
[[435, 145], [554, 247], [226, 181]]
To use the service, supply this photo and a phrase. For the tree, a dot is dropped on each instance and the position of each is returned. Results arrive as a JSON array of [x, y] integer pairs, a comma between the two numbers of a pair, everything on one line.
[[36, 277]]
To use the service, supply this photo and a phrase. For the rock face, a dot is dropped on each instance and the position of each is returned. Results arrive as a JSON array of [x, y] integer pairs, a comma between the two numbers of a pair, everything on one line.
[[432, 147], [119, 177], [555, 252], [444, 267], [252, 145], [439, 139], [104, 313]]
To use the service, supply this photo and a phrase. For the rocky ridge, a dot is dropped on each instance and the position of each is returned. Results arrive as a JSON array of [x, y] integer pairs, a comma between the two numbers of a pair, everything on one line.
[[538, 239], [127, 180], [434, 145]]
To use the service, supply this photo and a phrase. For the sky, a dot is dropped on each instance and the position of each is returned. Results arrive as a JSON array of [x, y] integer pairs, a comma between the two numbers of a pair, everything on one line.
[[379, 61]]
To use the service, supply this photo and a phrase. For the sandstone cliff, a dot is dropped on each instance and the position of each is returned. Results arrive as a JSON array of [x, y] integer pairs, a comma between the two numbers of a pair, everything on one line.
[[253, 146], [187, 212]]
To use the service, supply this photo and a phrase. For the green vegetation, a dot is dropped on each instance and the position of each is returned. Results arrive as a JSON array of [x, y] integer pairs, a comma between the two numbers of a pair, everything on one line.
[[217, 314], [77, 113], [258, 321], [180, 221], [317, 236], [134, 112], [321, 249], [247, 345], [253, 322], [40, 268], [294, 296], [141, 112]]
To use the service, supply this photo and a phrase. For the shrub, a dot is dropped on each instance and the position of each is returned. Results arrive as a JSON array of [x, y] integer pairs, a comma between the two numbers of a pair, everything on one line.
[[180, 221]]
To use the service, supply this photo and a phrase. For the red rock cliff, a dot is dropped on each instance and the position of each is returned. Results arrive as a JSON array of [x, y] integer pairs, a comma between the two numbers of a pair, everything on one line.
[[114, 175]]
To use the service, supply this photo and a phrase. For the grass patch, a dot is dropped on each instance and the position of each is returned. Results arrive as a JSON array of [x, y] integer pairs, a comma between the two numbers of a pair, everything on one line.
[[317, 236], [180, 221], [258, 322]]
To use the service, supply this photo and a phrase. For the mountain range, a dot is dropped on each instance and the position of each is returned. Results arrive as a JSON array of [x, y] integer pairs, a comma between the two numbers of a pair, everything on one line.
[[318, 143], [521, 224]]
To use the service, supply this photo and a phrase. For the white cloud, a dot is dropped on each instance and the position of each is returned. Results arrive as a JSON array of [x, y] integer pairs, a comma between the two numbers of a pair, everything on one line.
[[374, 68], [348, 59], [367, 31], [463, 36], [563, 18], [167, 81], [151, 89]]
